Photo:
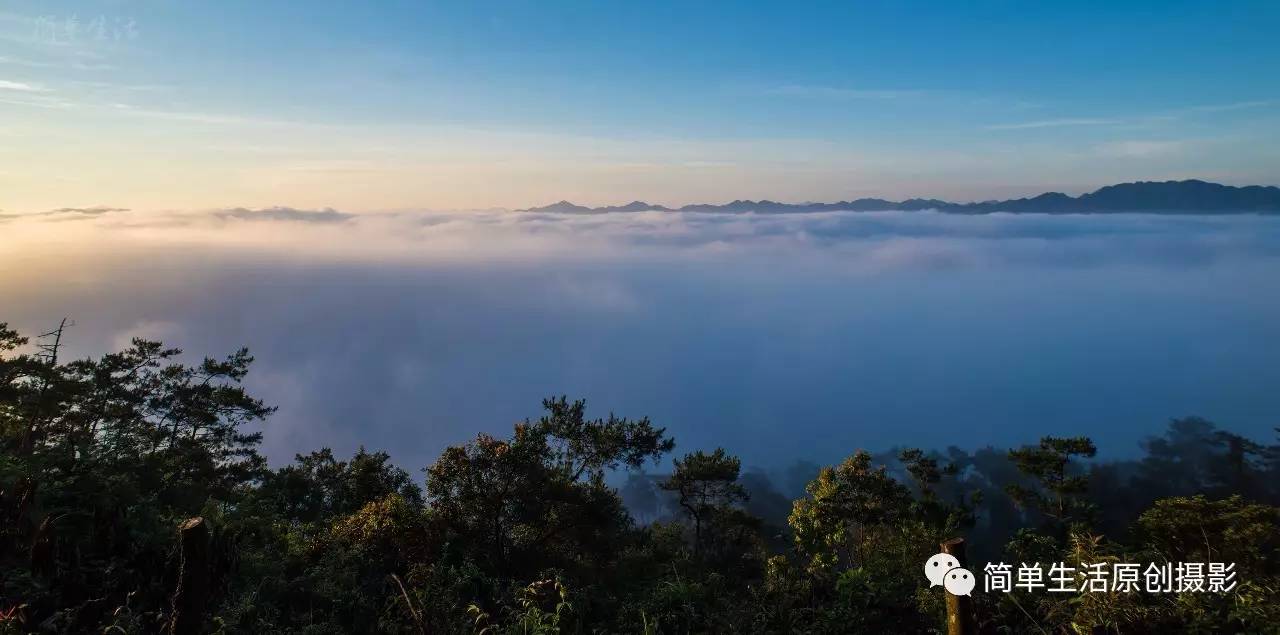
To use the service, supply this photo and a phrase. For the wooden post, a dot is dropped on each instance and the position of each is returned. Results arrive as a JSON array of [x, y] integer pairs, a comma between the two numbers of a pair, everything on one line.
[[192, 594], [42, 545], [960, 619]]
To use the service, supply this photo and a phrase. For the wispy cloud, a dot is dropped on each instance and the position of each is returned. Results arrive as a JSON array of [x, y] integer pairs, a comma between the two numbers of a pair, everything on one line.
[[1053, 123], [837, 92], [1240, 105], [22, 87], [96, 210], [326, 215], [192, 117], [74, 64], [16, 61], [39, 97], [80, 213], [1142, 149], [38, 100], [67, 213], [1147, 119]]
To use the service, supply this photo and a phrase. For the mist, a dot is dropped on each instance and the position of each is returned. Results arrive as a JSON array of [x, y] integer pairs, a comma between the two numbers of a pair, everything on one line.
[[780, 337]]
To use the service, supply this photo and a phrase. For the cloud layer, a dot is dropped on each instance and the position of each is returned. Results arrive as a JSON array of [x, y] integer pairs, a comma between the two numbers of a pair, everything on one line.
[[840, 241], [778, 335]]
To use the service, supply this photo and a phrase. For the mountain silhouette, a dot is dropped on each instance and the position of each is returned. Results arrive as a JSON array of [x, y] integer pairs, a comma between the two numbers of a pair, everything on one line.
[[1165, 197]]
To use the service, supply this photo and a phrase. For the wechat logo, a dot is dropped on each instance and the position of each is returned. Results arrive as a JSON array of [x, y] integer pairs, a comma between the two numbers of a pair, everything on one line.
[[943, 569]]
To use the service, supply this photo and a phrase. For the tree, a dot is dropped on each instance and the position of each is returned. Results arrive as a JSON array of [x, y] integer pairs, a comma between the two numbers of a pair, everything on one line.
[[926, 475], [106, 457], [583, 448], [640, 495], [837, 522], [318, 488], [769, 505], [1198, 529], [1060, 494], [102, 460], [539, 498], [705, 484], [1241, 467], [1234, 531]]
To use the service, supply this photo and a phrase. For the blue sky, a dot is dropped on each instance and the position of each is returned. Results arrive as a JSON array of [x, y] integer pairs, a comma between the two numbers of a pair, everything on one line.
[[388, 105]]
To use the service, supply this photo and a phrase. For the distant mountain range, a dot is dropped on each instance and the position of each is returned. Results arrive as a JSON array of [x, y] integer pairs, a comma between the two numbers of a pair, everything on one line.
[[1168, 197]]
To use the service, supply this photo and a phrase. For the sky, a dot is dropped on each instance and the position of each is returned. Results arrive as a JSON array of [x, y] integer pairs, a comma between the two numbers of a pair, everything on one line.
[[167, 105], [323, 182]]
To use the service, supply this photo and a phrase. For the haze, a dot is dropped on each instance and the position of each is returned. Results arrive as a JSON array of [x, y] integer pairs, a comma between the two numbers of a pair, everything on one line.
[[218, 174], [782, 337]]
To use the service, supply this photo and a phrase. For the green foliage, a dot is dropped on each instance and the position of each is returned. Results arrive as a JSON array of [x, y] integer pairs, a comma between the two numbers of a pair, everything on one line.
[[707, 488], [589, 448], [101, 459], [538, 499], [1232, 530], [1196, 529], [1059, 496], [848, 514], [542, 608], [318, 487]]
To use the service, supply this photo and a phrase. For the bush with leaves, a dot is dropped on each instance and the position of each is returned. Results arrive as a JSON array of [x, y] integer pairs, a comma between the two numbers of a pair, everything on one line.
[[101, 459]]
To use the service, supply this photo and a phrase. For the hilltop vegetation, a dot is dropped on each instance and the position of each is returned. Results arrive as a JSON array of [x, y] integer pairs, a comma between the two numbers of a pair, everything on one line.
[[102, 460]]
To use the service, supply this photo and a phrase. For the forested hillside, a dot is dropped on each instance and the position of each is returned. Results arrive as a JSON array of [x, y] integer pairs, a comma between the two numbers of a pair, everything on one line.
[[133, 499]]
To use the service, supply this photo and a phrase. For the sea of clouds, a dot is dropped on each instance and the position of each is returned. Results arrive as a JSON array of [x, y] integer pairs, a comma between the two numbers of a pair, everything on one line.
[[777, 336]]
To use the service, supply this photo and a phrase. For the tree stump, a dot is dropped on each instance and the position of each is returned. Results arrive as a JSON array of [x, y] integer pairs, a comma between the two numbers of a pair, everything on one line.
[[192, 595]]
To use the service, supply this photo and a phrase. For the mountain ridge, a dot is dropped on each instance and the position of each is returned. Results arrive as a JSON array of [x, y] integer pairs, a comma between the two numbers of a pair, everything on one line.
[[1167, 197]]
